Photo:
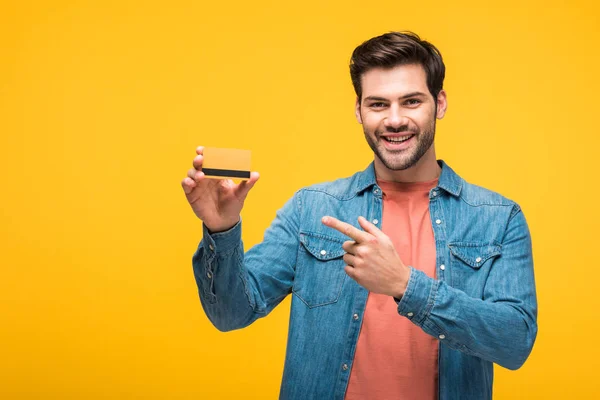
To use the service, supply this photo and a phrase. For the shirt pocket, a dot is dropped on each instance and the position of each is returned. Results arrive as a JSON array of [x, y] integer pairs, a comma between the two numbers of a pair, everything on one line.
[[319, 269], [470, 265]]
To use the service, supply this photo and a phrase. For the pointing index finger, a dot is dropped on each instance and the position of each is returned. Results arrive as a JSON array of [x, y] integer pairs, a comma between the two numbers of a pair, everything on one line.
[[345, 228]]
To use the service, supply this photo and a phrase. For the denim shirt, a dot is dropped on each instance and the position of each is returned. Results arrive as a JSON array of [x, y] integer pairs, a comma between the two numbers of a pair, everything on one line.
[[481, 306]]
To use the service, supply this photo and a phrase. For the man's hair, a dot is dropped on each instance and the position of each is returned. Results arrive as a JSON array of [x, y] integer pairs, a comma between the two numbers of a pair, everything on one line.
[[393, 49]]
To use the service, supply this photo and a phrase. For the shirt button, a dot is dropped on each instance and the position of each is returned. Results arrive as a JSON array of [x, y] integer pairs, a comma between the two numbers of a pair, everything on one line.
[[355, 316], [345, 367], [323, 252], [442, 337], [210, 246], [410, 314], [434, 193], [209, 275], [375, 222], [442, 267], [376, 191], [478, 259], [438, 221]]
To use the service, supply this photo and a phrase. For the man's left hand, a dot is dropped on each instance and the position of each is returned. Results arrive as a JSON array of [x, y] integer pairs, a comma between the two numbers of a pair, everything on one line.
[[372, 260]]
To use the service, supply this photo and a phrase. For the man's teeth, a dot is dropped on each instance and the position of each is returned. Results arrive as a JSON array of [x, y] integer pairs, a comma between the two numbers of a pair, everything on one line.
[[398, 139]]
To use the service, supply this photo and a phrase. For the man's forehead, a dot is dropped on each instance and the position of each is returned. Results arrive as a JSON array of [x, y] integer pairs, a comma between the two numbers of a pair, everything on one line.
[[395, 81]]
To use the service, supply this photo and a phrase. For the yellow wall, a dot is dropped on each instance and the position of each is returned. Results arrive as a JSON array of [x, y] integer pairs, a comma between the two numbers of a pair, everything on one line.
[[103, 103]]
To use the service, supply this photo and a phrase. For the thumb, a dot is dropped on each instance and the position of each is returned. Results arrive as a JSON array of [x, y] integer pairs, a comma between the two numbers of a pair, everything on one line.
[[369, 227], [244, 187]]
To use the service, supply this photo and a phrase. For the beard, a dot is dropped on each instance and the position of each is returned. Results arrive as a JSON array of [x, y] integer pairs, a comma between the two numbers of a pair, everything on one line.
[[402, 159]]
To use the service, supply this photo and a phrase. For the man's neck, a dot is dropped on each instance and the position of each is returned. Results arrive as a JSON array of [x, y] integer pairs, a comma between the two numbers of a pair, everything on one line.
[[426, 169]]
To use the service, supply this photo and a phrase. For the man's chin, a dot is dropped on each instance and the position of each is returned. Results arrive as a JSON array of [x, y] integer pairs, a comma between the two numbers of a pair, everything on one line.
[[394, 167], [395, 163]]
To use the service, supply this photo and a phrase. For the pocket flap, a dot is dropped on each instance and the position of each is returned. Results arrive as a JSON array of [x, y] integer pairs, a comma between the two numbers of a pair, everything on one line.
[[475, 254], [322, 247]]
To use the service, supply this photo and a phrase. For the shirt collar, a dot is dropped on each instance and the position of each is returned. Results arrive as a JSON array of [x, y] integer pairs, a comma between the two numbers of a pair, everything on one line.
[[449, 180]]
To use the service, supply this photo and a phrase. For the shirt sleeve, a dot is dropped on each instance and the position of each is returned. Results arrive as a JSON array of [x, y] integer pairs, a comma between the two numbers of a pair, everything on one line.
[[236, 288], [502, 326]]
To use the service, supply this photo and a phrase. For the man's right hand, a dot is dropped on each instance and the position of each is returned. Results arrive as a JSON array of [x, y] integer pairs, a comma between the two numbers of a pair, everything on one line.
[[217, 202]]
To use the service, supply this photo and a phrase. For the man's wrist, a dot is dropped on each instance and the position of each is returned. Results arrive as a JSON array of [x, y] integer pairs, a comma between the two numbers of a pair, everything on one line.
[[222, 242], [222, 228], [399, 293]]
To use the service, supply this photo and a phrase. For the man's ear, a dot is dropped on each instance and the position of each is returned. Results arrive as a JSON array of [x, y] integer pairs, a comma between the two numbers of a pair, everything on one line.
[[357, 111], [442, 104]]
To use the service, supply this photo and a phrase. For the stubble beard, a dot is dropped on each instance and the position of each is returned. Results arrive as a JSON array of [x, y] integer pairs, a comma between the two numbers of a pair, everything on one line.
[[401, 159]]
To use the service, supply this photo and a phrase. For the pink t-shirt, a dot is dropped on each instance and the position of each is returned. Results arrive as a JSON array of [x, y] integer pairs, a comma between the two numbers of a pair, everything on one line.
[[394, 358]]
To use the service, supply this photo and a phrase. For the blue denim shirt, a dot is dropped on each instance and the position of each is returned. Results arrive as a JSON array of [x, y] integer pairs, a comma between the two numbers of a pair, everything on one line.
[[482, 305]]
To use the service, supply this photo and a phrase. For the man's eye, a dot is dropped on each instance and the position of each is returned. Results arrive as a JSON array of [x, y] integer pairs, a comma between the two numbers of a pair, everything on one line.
[[413, 102], [378, 105]]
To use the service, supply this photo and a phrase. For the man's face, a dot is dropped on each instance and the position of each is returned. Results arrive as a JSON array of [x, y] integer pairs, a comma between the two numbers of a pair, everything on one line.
[[398, 114]]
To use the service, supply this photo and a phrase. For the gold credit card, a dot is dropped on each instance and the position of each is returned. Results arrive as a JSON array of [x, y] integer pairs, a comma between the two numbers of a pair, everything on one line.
[[226, 163]]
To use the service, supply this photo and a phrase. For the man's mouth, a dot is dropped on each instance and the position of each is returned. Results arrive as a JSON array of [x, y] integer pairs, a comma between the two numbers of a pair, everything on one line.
[[397, 139]]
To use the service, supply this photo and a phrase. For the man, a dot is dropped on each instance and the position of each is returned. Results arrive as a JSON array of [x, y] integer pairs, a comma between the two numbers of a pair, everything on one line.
[[407, 281]]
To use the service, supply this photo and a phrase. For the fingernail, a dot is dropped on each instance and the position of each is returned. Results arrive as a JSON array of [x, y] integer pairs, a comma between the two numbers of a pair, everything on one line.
[[325, 220]]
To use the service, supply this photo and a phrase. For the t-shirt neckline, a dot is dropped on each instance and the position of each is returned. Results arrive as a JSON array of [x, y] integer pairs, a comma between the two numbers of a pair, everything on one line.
[[423, 186]]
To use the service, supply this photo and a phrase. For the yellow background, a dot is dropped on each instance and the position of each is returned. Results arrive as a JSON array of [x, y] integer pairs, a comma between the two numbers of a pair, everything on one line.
[[103, 103]]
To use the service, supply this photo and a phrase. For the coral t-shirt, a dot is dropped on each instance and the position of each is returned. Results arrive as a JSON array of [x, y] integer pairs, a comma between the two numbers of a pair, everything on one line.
[[394, 358]]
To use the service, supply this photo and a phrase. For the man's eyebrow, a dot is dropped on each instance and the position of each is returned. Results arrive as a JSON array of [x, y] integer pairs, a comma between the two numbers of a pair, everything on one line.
[[375, 98], [413, 94], [406, 96]]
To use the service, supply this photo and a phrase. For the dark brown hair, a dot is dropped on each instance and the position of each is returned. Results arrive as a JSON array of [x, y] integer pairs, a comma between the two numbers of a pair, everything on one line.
[[397, 48]]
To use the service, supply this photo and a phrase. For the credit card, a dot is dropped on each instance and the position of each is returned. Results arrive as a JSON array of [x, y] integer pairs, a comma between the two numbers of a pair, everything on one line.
[[226, 163]]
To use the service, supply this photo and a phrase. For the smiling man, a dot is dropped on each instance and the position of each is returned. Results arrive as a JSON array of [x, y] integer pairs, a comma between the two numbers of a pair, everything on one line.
[[407, 281]]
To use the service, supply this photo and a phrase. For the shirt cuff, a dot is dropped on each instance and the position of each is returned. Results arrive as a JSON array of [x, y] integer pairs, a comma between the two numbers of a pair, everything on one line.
[[418, 299], [222, 242]]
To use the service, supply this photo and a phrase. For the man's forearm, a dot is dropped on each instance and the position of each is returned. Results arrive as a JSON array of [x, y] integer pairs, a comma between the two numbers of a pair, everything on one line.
[[238, 287], [221, 279], [502, 332], [501, 326]]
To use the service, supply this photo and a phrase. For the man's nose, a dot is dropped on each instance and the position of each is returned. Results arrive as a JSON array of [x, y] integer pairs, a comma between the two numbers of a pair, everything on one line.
[[394, 118]]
